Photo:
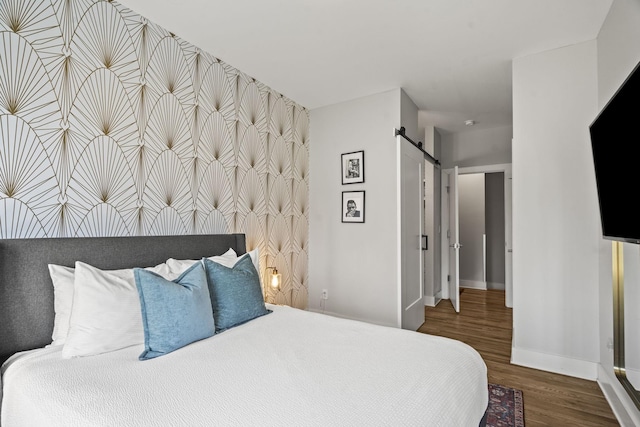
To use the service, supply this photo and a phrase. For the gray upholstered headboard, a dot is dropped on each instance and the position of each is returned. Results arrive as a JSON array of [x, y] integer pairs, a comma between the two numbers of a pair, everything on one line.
[[26, 290]]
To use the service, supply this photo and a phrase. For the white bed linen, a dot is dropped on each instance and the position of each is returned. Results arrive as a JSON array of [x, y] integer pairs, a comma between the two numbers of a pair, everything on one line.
[[288, 368]]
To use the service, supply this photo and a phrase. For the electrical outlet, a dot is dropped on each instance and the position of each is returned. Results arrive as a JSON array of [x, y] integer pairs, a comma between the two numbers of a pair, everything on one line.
[[325, 294]]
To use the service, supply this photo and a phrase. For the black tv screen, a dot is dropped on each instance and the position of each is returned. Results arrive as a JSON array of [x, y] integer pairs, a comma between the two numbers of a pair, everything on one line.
[[615, 142]]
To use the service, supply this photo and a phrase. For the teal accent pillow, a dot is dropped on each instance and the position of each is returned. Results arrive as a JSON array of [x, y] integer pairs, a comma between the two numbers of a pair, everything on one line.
[[174, 313], [236, 295]]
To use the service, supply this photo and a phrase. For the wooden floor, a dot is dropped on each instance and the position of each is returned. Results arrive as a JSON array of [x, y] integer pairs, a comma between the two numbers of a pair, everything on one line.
[[549, 399]]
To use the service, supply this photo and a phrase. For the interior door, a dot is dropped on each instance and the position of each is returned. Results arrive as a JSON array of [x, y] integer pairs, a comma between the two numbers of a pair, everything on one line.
[[471, 190], [411, 214], [454, 242]]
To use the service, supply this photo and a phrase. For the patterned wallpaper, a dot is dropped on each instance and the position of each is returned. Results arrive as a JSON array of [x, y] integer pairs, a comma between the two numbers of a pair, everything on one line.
[[112, 126]]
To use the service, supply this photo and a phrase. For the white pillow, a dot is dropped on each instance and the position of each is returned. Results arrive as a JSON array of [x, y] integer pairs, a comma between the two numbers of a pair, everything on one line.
[[255, 258], [62, 278], [228, 259], [178, 266], [105, 313]]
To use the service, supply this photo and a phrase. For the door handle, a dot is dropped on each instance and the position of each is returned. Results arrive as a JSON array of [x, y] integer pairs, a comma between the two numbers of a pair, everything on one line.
[[425, 242], [455, 246]]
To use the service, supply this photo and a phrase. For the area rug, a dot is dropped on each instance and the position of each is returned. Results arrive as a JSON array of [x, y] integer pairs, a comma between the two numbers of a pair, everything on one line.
[[506, 408]]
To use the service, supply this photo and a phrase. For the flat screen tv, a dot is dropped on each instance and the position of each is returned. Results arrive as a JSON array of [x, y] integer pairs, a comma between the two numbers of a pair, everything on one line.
[[615, 143]]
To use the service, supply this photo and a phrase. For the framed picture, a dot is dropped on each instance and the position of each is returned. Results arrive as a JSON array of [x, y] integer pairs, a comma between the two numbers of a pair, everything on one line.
[[352, 166], [352, 206]]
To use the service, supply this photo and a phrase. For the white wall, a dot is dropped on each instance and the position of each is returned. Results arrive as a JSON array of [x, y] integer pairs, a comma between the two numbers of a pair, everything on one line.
[[357, 263], [477, 147], [618, 53], [431, 260], [555, 212], [409, 117], [437, 233]]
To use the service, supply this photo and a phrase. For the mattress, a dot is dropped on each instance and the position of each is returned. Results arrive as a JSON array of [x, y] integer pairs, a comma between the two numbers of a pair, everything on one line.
[[288, 368]]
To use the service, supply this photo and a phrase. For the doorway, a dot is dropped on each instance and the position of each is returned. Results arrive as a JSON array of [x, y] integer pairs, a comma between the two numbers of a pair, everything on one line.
[[484, 274]]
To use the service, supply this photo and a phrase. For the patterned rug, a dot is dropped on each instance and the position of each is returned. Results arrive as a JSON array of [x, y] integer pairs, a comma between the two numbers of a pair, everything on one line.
[[506, 408]]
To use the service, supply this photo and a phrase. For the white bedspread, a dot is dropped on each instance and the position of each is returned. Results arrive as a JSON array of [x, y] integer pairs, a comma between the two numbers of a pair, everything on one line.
[[288, 368]]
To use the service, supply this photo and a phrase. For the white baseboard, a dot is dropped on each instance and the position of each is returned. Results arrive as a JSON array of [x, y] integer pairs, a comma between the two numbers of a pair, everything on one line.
[[554, 363], [623, 408], [473, 284], [430, 301], [496, 285]]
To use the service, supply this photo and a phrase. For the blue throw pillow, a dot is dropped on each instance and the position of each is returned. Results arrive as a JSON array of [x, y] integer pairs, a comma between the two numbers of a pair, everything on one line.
[[174, 313], [236, 295]]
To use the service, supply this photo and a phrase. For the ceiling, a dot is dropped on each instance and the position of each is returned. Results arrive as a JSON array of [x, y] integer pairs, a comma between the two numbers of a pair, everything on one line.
[[452, 57]]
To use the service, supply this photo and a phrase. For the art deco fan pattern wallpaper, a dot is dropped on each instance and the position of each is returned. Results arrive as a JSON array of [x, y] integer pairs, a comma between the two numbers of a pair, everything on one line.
[[112, 126]]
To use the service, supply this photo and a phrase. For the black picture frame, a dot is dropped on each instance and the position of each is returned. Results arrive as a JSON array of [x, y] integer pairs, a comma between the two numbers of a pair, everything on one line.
[[353, 206], [352, 167]]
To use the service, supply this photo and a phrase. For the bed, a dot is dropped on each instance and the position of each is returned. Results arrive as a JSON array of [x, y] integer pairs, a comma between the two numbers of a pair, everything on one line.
[[285, 366]]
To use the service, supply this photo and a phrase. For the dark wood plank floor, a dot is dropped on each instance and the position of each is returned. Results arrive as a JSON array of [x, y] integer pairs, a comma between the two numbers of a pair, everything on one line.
[[549, 399]]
